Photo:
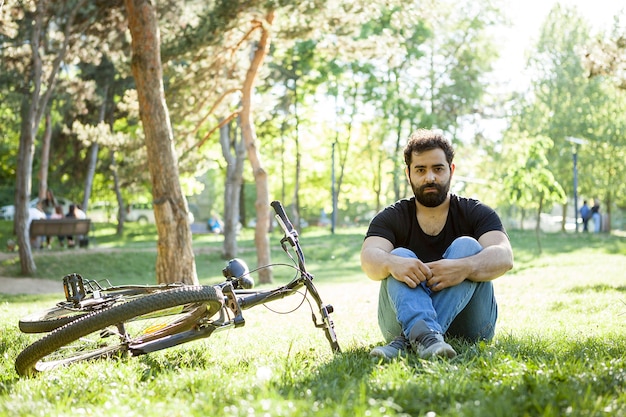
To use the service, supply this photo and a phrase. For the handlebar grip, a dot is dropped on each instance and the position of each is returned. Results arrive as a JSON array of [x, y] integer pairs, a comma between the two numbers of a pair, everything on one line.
[[280, 212]]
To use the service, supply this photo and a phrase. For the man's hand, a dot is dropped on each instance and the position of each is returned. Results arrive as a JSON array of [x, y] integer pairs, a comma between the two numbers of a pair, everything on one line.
[[378, 263], [494, 260], [446, 273], [411, 271]]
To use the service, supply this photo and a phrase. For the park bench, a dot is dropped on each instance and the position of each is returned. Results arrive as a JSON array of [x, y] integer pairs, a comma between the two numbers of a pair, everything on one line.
[[62, 227]]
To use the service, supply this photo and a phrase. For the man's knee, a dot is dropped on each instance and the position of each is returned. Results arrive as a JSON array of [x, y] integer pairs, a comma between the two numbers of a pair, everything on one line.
[[404, 253], [462, 247]]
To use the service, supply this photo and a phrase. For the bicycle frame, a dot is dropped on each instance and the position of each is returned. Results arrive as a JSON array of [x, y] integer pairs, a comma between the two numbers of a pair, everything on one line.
[[238, 299], [231, 316]]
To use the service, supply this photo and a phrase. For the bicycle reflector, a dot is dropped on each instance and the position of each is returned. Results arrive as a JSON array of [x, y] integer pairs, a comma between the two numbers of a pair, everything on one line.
[[237, 269]]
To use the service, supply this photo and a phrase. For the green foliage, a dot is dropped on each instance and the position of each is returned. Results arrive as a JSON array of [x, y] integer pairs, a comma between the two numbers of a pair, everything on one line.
[[564, 102], [363, 75], [530, 183], [8, 144]]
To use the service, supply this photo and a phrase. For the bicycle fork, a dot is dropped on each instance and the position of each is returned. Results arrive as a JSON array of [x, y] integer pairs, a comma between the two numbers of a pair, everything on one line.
[[327, 323]]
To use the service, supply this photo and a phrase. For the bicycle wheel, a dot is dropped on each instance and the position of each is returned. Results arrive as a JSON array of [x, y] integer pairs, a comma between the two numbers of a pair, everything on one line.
[[112, 331], [66, 311]]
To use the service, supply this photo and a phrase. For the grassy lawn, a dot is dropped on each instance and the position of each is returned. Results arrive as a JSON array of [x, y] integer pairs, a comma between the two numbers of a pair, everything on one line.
[[559, 347]]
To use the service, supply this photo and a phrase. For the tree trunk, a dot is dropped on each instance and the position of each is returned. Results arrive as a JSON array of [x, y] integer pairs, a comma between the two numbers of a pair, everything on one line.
[[538, 225], [398, 171], [262, 203], [378, 179], [344, 150], [398, 167], [93, 154], [34, 103], [175, 258], [23, 187], [118, 195], [45, 159], [234, 154], [296, 189], [29, 111]]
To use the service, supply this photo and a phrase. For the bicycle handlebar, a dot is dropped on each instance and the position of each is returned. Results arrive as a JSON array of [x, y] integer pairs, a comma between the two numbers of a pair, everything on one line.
[[291, 234], [282, 217]]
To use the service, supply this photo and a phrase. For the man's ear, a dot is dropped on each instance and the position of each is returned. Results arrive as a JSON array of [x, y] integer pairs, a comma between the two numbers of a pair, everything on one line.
[[452, 167], [407, 173]]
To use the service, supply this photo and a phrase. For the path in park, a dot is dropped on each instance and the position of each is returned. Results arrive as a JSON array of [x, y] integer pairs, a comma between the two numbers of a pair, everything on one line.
[[22, 285]]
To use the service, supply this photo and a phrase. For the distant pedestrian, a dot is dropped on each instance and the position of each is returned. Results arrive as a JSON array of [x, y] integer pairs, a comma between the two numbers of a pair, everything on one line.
[[595, 215], [585, 215], [215, 225], [74, 212], [35, 213], [58, 214], [49, 203]]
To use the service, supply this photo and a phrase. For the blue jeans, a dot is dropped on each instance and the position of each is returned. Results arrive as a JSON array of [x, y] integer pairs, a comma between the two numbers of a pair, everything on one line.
[[597, 222], [467, 310]]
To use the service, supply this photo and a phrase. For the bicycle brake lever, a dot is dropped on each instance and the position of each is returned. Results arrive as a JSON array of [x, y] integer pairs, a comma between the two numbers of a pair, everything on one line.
[[291, 235]]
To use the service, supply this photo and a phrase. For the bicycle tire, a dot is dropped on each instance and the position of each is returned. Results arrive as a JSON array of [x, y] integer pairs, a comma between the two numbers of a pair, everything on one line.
[[65, 312], [56, 349]]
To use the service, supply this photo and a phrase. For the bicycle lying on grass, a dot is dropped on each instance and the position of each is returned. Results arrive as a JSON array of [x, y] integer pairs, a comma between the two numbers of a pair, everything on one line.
[[104, 322]]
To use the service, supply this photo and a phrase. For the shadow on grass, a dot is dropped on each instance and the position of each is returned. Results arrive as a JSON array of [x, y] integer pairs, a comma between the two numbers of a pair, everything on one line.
[[528, 374], [524, 243], [581, 289]]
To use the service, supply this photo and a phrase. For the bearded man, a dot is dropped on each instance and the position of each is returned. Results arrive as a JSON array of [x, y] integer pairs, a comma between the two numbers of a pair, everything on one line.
[[435, 255]]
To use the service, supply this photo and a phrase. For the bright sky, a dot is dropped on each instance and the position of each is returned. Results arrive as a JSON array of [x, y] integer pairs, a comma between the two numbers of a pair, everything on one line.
[[528, 15]]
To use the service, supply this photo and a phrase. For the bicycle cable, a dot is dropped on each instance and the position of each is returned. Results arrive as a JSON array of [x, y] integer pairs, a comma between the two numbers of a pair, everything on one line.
[[304, 294]]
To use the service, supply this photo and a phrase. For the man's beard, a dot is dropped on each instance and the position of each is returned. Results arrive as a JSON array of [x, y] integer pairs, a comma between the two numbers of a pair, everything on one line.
[[431, 199]]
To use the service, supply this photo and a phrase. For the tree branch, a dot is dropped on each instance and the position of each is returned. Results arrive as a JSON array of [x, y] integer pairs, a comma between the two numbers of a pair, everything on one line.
[[210, 132]]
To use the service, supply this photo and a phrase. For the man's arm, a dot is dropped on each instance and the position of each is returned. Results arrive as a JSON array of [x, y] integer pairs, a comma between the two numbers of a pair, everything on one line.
[[494, 260], [378, 263]]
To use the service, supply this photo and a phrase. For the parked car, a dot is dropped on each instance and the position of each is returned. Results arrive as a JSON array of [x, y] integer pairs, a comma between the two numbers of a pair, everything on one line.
[[143, 213], [102, 212], [140, 212], [8, 212]]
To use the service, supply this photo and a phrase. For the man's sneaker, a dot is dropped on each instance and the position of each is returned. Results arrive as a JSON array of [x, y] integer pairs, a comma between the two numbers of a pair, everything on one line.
[[428, 343], [396, 348]]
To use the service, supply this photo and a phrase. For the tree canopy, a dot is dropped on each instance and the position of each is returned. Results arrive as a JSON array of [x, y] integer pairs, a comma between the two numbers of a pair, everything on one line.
[[339, 87]]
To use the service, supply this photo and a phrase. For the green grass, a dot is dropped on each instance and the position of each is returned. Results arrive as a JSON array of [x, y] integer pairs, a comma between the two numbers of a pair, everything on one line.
[[559, 347]]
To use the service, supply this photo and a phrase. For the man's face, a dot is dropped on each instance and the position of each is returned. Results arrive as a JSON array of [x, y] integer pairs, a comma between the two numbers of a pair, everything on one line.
[[430, 175]]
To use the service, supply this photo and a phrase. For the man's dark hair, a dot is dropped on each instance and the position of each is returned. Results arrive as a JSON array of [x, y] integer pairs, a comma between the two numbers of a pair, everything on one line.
[[423, 140]]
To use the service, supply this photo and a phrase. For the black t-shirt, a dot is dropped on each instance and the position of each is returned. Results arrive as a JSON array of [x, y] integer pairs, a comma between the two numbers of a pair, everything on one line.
[[467, 217]]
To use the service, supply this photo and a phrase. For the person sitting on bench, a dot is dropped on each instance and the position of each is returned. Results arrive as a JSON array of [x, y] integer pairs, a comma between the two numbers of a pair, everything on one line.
[[74, 212]]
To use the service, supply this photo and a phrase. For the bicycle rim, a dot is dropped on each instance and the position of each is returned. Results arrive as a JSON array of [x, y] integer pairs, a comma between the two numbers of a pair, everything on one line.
[[48, 320], [110, 332]]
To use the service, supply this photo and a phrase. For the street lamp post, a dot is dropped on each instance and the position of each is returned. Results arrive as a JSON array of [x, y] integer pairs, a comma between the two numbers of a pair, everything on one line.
[[333, 219], [575, 159], [575, 142]]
